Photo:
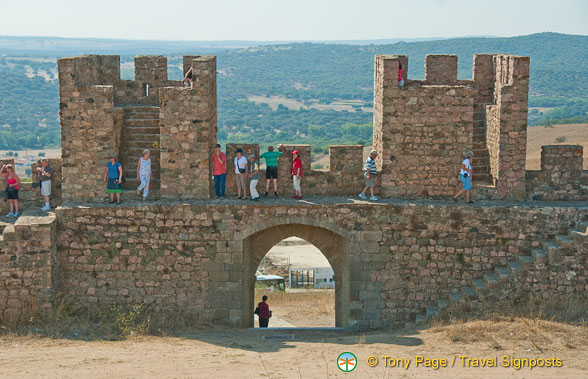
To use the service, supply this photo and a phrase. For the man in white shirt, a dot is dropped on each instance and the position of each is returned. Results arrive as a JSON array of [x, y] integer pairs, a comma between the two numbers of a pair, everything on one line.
[[465, 175]]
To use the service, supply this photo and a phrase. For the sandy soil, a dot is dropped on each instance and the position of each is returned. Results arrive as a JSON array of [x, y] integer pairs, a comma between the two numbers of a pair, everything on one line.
[[537, 136], [222, 353]]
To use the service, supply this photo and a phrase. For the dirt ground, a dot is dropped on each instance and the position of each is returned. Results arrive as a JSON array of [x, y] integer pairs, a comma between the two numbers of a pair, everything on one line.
[[537, 136], [222, 353]]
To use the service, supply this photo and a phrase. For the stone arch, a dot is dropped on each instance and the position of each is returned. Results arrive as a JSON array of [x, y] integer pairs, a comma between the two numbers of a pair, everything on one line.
[[259, 239]]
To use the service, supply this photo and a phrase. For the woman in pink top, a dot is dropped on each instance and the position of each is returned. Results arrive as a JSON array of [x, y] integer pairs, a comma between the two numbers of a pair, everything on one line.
[[12, 181], [400, 78]]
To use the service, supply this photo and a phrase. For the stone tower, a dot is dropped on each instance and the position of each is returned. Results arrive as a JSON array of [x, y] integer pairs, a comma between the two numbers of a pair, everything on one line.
[[102, 114]]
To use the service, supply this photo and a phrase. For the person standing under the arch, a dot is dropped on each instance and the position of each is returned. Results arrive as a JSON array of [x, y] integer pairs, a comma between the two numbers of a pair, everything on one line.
[[271, 168], [297, 174], [241, 174], [263, 312], [370, 176], [465, 175], [219, 171]]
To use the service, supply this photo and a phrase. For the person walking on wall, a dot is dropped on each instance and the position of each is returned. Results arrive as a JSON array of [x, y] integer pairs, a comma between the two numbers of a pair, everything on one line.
[[465, 175], [400, 78], [263, 312], [370, 176], [12, 183], [271, 168], [241, 174], [113, 178], [144, 173], [297, 174], [253, 177], [219, 171], [45, 172]]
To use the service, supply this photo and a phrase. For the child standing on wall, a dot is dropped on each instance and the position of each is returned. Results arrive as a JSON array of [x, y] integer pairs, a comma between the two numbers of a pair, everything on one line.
[[144, 173]]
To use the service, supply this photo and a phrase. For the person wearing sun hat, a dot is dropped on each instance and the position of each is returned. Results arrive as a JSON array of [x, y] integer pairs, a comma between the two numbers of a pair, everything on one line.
[[370, 176], [297, 174]]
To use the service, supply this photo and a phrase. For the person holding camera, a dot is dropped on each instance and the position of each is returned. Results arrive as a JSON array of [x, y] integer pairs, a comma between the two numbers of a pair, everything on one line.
[[465, 175], [12, 183], [45, 172], [241, 174]]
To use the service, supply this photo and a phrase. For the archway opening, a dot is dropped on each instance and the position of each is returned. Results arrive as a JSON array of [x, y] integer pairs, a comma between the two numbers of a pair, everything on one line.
[[332, 253], [299, 283]]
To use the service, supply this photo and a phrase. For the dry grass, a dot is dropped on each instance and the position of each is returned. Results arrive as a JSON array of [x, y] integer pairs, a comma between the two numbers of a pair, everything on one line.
[[539, 324], [312, 308]]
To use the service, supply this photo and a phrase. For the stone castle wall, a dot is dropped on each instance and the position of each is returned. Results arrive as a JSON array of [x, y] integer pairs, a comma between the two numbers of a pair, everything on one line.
[[393, 261]]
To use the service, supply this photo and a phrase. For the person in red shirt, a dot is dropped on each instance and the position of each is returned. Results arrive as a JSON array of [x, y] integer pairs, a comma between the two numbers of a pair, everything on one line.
[[400, 78], [219, 171], [297, 174], [263, 312]]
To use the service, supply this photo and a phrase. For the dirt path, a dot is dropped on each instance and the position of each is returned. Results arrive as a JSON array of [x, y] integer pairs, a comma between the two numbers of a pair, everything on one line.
[[248, 354]]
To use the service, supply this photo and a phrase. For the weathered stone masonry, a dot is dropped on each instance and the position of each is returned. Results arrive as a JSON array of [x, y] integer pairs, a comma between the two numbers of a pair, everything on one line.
[[395, 262]]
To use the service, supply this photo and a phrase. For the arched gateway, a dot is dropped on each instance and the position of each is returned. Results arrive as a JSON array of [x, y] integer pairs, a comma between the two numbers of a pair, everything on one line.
[[259, 239]]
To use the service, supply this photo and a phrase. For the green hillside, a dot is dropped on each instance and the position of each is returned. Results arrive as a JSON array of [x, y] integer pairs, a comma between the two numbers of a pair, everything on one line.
[[325, 90]]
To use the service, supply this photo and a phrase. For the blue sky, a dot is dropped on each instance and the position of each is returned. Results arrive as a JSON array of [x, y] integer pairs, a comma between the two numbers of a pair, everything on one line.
[[289, 20]]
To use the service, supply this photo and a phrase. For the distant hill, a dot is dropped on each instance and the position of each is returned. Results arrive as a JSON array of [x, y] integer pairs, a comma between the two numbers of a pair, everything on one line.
[[327, 88]]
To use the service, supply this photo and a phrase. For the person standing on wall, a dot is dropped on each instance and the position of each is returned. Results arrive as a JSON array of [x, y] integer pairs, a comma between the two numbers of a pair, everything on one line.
[[219, 171], [12, 183], [465, 175], [400, 78], [297, 174], [188, 78], [263, 312], [370, 176], [113, 178], [253, 177], [271, 168], [144, 173], [241, 174], [45, 172]]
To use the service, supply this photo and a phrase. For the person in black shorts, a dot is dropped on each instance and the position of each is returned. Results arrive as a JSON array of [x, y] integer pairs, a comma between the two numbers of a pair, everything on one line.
[[271, 168]]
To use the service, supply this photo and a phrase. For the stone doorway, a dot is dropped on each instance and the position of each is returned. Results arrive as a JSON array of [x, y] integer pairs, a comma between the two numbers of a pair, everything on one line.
[[332, 245]]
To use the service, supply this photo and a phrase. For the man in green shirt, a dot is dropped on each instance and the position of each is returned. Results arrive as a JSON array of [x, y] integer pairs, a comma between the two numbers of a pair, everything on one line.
[[271, 168]]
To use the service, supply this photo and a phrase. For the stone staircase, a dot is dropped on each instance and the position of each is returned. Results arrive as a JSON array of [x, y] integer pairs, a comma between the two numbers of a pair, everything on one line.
[[140, 131], [481, 162], [490, 287]]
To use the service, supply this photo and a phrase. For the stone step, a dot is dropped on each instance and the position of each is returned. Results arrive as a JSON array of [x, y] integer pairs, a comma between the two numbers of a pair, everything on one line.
[[539, 255], [130, 167], [491, 280], [134, 130], [478, 146], [130, 123], [137, 152], [482, 178], [143, 144], [468, 293], [527, 261], [133, 136], [564, 241], [142, 116], [132, 184], [515, 268], [502, 273]]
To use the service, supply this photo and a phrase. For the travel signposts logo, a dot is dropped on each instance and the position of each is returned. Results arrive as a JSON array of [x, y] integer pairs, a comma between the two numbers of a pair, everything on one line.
[[346, 362]]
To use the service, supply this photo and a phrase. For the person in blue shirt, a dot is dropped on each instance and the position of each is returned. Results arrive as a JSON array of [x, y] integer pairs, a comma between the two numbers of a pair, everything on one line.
[[113, 178]]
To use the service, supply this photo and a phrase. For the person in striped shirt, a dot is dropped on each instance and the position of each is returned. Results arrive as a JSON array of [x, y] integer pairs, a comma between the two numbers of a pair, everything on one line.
[[370, 176]]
